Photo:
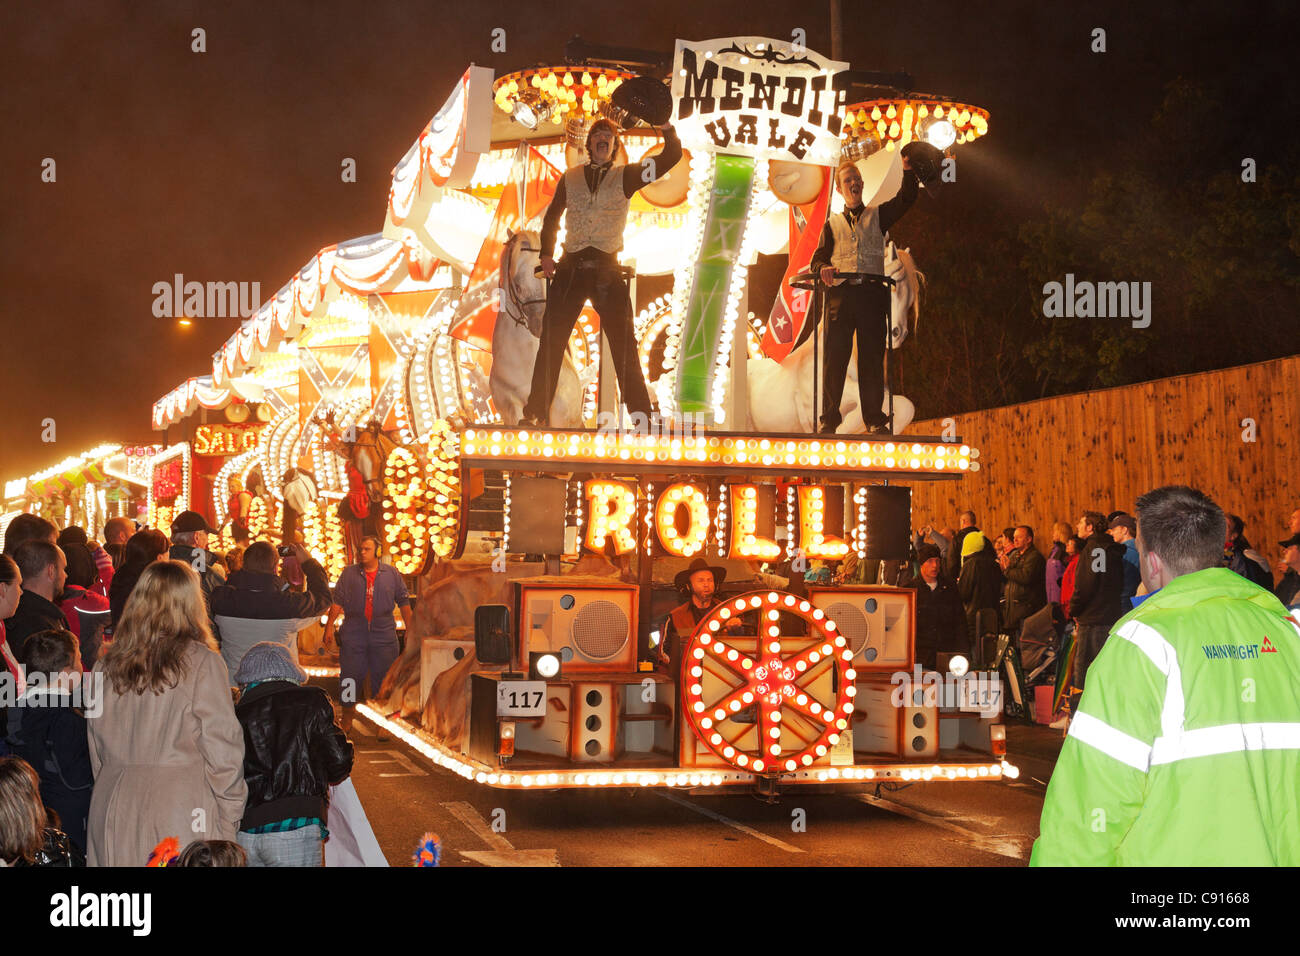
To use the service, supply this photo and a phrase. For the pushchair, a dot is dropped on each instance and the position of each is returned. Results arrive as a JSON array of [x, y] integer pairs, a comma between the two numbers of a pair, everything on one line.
[[998, 652]]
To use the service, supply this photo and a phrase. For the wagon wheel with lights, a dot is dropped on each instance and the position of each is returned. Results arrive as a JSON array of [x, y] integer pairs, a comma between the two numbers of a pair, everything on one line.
[[772, 702]]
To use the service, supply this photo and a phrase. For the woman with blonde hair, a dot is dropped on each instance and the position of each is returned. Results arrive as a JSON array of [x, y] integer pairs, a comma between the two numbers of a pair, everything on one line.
[[1057, 560], [28, 834], [167, 751], [22, 815]]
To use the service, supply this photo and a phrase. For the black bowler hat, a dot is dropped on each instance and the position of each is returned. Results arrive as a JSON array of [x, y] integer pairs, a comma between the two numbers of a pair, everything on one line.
[[683, 579]]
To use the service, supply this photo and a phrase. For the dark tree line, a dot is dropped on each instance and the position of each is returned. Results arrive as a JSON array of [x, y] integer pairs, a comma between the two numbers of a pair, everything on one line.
[[1168, 207]]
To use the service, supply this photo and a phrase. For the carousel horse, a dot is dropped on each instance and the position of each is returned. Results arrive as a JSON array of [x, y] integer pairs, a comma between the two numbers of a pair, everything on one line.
[[792, 379], [364, 449], [517, 334], [367, 455], [300, 492], [908, 283]]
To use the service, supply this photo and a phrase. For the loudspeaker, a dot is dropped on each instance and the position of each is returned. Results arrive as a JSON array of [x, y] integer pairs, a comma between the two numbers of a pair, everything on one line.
[[919, 730], [493, 641], [595, 724], [875, 720], [880, 727], [878, 622], [889, 522], [537, 514], [591, 627]]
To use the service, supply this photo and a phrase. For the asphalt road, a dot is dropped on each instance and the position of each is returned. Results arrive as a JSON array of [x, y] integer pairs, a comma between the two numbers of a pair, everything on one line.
[[925, 824]]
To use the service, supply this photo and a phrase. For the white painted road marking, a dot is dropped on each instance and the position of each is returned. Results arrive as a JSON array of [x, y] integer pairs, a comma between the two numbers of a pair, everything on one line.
[[1001, 845], [397, 757], [713, 815], [503, 852]]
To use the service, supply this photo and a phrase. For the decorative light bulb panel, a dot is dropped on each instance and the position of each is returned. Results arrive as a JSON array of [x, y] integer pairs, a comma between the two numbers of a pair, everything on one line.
[[764, 695], [713, 279], [681, 519]]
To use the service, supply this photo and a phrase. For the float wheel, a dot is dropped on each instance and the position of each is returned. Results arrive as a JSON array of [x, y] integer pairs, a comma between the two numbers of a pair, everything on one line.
[[793, 692]]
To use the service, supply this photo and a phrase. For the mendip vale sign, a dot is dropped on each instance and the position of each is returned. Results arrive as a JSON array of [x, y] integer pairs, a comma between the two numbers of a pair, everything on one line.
[[754, 96]]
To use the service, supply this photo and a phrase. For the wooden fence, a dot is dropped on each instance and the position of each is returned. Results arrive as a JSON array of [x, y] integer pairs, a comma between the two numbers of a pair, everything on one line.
[[1232, 433]]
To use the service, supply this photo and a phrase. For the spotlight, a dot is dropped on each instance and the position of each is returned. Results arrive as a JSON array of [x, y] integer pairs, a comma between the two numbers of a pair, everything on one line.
[[939, 133], [531, 109], [958, 666], [861, 146], [543, 665]]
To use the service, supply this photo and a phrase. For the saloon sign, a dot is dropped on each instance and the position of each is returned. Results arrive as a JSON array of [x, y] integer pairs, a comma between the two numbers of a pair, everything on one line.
[[758, 97], [226, 440]]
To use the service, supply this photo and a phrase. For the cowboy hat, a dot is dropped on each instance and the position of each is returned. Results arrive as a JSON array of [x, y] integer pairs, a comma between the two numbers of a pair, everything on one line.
[[683, 579]]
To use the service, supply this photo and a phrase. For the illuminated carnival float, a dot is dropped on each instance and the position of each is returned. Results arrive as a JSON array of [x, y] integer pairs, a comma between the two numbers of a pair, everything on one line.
[[86, 490], [390, 372]]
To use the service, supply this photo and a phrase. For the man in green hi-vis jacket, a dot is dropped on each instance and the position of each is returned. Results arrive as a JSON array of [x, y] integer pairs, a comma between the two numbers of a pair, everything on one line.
[[1186, 747]]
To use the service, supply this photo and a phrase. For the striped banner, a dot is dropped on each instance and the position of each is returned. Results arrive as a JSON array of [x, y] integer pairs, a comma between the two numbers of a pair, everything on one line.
[[706, 305]]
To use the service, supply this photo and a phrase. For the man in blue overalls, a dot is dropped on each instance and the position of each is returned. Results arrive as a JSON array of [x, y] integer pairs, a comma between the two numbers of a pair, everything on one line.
[[368, 593]]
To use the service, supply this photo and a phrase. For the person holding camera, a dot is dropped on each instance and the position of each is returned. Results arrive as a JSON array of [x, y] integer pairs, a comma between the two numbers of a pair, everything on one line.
[[256, 605]]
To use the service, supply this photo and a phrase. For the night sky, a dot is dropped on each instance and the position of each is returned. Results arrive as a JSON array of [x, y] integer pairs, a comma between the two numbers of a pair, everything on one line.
[[225, 165]]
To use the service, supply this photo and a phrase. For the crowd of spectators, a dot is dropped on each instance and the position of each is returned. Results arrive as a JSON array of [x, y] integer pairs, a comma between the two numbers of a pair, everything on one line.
[[122, 731]]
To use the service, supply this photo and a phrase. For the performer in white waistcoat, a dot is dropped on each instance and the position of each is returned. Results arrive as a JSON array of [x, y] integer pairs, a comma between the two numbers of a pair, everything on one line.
[[595, 199], [854, 241]]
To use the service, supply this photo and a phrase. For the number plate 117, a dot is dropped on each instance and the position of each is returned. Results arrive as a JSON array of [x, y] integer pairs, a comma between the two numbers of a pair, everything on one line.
[[521, 698]]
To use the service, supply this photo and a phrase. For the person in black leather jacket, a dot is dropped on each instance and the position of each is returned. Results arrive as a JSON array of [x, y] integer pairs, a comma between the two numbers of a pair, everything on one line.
[[980, 584], [293, 753], [1098, 584]]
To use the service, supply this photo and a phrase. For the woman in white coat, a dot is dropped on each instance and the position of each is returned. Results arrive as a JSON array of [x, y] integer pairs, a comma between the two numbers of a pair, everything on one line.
[[167, 750]]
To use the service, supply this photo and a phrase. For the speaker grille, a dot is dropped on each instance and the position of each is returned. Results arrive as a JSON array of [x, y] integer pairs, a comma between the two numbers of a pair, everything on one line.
[[852, 623], [889, 522], [600, 630]]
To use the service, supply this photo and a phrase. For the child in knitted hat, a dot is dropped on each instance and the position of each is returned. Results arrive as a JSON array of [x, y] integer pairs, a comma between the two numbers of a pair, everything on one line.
[[293, 753]]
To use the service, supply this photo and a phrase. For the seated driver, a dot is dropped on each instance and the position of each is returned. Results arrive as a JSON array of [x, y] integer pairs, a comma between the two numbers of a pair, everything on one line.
[[700, 583]]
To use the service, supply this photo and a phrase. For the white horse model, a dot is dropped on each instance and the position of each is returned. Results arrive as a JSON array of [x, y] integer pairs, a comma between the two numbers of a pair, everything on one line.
[[516, 336], [299, 489], [781, 394]]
